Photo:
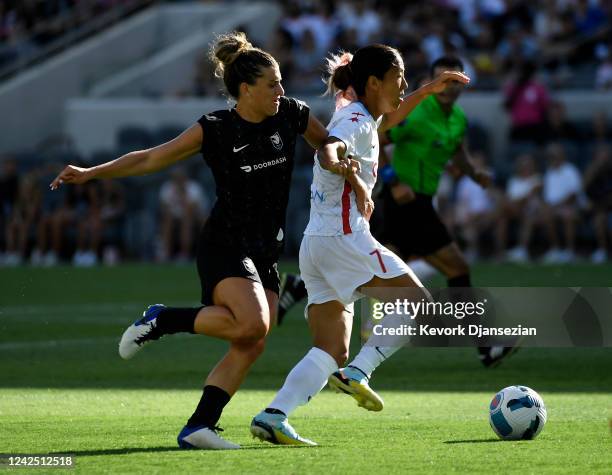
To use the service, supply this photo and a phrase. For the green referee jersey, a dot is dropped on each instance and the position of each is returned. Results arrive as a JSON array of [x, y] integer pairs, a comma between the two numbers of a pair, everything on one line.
[[425, 142]]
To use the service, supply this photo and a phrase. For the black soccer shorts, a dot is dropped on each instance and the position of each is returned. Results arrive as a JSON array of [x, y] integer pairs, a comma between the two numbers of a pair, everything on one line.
[[216, 263]]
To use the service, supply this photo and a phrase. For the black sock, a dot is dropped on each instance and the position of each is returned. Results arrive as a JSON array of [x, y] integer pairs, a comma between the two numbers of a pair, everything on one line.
[[460, 281], [300, 291], [209, 409], [176, 320]]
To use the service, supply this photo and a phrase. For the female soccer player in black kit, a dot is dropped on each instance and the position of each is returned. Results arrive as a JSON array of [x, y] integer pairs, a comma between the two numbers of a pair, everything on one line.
[[250, 150]]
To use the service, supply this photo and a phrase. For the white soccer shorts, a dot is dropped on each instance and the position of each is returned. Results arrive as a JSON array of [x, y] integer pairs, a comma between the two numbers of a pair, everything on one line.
[[334, 267]]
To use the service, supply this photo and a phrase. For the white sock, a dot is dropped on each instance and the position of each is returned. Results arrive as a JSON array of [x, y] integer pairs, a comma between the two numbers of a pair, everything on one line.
[[378, 348], [304, 381], [370, 357]]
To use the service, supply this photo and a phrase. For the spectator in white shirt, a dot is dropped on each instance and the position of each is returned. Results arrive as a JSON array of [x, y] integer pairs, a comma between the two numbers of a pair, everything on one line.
[[184, 207], [522, 202], [475, 209], [360, 16], [307, 61], [562, 197]]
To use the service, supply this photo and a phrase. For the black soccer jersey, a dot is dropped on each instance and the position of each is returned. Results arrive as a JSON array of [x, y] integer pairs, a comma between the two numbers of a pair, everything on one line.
[[252, 165]]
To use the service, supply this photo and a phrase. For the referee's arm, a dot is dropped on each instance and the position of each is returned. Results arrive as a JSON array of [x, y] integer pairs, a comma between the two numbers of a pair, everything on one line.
[[462, 160]]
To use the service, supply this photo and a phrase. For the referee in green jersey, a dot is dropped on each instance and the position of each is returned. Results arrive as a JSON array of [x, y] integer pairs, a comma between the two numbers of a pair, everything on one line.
[[428, 139]]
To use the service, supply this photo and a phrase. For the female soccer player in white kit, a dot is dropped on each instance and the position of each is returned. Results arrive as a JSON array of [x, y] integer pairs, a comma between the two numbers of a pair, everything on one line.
[[340, 261]]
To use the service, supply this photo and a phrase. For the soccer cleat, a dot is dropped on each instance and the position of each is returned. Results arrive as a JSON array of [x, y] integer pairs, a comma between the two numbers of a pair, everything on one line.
[[292, 290], [494, 355], [202, 437], [141, 332], [353, 382], [275, 428]]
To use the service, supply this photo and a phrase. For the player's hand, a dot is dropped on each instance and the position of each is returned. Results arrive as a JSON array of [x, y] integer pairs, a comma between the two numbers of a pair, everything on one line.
[[363, 200], [445, 79], [402, 193], [348, 166], [365, 206], [483, 178], [70, 174]]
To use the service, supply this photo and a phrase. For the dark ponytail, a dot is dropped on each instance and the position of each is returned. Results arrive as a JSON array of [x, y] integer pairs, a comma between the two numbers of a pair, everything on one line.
[[339, 72], [345, 70]]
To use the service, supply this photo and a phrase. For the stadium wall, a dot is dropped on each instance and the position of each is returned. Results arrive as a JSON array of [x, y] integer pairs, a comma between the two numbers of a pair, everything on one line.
[[94, 123], [173, 68], [165, 38]]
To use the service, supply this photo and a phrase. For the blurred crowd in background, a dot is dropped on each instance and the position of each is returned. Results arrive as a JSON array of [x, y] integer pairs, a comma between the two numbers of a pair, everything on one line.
[[32, 28], [553, 203], [568, 41], [86, 224], [552, 193]]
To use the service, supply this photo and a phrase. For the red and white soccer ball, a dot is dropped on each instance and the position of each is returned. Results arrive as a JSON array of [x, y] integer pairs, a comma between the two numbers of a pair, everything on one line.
[[517, 412]]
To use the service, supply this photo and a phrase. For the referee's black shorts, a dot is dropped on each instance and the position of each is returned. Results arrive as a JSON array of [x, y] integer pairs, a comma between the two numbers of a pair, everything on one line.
[[216, 263], [414, 228]]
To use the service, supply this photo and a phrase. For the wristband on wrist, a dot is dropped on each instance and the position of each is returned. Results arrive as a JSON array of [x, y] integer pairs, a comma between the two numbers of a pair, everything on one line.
[[388, 175]]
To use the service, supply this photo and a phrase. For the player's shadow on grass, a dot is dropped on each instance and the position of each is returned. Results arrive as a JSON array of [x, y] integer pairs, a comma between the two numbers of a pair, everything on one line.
[[472, 441], [119, 451], [137, 450]]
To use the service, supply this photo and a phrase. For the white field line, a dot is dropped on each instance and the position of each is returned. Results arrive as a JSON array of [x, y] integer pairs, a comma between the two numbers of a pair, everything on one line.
[[81, 314], [66, 313], [42, 344], [63, 343], [10, 310], [90, 314]]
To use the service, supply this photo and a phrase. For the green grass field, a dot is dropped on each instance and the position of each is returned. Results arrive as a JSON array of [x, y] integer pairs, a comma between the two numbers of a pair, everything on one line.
[[63, 389]]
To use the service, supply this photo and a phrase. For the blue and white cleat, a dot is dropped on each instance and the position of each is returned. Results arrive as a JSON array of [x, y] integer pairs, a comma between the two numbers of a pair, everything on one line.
[[141, 332], [275, 428], [202, 437], [353, 382]]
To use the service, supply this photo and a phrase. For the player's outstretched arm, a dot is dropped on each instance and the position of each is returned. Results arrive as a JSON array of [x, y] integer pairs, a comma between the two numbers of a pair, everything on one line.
[[438, 84], [140, 162]]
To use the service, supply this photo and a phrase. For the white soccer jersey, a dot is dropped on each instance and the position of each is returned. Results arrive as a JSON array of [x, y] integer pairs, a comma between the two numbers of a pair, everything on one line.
[[333, 211]]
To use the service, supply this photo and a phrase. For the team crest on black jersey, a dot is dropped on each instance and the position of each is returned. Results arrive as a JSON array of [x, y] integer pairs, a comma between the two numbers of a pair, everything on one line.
[[277, 141]]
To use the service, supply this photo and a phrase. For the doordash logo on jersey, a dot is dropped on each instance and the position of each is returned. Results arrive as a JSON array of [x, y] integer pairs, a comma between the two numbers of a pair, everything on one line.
[[259, 166]]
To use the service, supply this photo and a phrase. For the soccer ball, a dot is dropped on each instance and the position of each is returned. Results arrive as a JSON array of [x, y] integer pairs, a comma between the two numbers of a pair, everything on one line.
[[517, 412]]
